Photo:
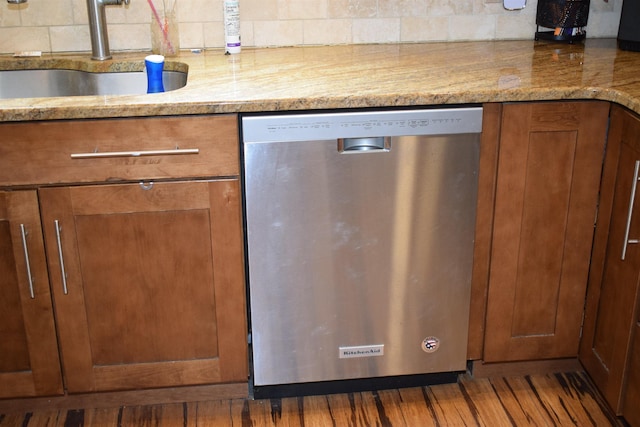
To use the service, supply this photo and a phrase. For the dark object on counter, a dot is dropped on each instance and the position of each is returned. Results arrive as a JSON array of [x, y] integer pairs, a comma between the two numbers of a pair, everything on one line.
[[565, 20], [629, 31]]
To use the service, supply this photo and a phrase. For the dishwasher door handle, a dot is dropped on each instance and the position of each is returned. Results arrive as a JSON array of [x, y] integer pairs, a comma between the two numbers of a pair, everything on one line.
[[379, 143]]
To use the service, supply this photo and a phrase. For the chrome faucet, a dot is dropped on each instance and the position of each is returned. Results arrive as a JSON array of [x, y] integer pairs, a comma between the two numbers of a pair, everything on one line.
[[16, 1], [98, 27]]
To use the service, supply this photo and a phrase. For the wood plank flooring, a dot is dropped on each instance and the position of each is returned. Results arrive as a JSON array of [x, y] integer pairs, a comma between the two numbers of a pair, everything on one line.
[[568, 399]]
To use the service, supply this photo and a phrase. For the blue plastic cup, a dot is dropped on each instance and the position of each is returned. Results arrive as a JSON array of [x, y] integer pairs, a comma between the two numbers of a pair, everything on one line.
[[154, 65]]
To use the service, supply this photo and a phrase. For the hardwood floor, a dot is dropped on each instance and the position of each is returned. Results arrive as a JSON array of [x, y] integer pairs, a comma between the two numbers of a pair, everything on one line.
[[538, 400]]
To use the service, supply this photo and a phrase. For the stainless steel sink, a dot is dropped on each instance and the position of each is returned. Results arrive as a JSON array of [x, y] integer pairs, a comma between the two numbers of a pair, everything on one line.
[[56, 82]]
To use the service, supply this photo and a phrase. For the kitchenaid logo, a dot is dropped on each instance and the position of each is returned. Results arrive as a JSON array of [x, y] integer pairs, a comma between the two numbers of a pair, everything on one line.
[[361, 351]]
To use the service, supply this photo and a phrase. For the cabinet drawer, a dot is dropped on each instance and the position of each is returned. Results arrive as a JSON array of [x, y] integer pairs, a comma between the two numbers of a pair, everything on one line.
[[118, 149]]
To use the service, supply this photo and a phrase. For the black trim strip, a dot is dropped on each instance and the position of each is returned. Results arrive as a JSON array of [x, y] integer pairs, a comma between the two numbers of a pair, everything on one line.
[[354, 385]]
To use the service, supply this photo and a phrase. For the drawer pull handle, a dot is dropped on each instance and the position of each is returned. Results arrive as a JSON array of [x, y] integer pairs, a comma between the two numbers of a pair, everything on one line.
[[61, 258], [24, 233], [107, 154], [146, 186], [632, 199]]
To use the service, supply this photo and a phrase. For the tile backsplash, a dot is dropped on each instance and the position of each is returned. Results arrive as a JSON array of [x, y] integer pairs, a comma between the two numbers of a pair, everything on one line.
[[62, 25]]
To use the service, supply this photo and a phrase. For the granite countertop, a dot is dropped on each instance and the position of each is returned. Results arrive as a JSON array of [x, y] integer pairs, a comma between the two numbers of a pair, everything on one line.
[[352, 76]]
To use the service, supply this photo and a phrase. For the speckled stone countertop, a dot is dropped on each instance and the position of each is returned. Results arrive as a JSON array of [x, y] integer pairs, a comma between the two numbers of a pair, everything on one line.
[[353, 76]]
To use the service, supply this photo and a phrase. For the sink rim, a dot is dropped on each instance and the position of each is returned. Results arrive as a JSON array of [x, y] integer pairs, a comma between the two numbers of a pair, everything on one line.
[[86, 65], [94, 74]]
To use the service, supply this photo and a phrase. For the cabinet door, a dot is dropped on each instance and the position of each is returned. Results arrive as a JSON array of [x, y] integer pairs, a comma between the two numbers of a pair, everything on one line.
[[632, 391], [148, 283], [29, 364], [613, 281], [550, 160]]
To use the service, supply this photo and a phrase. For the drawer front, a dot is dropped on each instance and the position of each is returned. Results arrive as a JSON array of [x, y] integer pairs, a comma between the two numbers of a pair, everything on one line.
[[112, 150]]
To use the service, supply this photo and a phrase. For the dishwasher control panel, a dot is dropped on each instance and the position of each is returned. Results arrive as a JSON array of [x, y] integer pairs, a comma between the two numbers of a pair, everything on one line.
[[304, 127]]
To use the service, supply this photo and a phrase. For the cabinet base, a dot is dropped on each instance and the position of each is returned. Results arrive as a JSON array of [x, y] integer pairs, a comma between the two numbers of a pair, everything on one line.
[[129, 398], [480, 369]]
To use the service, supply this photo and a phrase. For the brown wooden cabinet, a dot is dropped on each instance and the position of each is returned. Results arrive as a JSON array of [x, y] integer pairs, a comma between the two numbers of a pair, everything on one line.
[[630, 410], [611, 312], [29, 364], [550, 157], [147, 283], [146, 273]]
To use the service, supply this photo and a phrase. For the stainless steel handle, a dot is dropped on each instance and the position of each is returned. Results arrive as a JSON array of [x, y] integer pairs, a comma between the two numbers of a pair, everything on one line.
[[632, 199], [97, 155], [61, 257], [364, 144], [23, 232]]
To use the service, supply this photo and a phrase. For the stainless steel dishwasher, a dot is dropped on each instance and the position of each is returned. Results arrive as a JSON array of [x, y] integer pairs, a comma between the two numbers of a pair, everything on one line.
[[360, 230]]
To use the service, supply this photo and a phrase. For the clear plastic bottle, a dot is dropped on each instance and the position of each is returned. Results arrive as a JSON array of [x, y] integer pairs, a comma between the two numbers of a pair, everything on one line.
[[232, 26]]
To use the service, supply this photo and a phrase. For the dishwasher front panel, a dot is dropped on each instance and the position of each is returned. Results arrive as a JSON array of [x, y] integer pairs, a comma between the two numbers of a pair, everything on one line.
[[359, 262]]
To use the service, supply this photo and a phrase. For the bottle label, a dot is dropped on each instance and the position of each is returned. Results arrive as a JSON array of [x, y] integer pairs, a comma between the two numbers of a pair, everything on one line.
[[232, 26]]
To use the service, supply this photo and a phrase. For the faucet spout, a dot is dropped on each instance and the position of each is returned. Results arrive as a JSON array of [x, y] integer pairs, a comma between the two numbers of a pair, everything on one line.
[[16, 1], [98, 27]]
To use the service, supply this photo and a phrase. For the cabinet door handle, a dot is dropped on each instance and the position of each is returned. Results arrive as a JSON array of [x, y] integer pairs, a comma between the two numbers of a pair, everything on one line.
[[106, 154], [23, 232], [61, 257], [632, 199]]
